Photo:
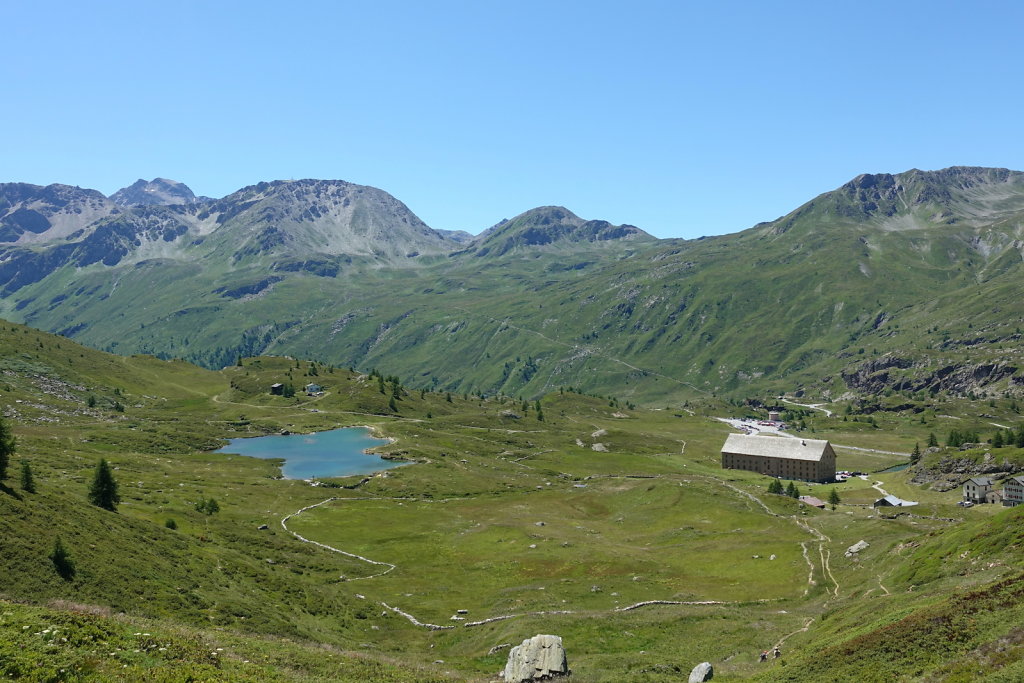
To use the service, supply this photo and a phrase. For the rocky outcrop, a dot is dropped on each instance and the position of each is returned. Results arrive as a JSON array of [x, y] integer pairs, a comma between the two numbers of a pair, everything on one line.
[[900, 374], [951, 470], [539, 658], [702, 672]]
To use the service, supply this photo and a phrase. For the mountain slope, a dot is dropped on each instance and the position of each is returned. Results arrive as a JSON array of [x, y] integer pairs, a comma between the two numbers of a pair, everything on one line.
[[32, 213], [903, 282]]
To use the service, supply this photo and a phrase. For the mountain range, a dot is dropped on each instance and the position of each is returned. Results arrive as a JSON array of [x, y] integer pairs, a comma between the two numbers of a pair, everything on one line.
[[892, 283]]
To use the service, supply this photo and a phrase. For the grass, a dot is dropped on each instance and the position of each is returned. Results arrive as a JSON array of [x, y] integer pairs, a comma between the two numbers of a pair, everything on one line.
[[649, 516]]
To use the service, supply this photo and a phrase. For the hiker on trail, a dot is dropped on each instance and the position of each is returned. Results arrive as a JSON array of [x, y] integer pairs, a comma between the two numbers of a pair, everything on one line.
[[776, 653], [764, 656]]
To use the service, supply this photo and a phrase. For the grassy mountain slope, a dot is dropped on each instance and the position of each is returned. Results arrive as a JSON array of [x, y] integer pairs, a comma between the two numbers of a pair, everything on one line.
[[900, 282]]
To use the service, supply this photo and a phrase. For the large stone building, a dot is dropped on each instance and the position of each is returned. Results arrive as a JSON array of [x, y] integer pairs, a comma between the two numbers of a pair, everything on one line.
[[1013, 491], [776, 456]]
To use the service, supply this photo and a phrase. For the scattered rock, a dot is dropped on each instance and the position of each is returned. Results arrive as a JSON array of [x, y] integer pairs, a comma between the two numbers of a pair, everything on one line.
[[539, 658], [262, 527], [539, 524], [702, 672], [856, 548], [599, 447], [772, 557], [599, 433]]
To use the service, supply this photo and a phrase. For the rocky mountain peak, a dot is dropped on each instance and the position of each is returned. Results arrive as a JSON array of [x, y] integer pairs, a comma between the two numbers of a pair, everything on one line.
[[159, 191], [322, 217]]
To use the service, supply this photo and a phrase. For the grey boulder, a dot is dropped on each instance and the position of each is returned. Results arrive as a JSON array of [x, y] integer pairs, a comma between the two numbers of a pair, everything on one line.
[[702, 672], [539, 658]]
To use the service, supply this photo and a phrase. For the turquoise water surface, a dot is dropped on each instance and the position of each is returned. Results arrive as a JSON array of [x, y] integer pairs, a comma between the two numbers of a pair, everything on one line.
[[336, 453]]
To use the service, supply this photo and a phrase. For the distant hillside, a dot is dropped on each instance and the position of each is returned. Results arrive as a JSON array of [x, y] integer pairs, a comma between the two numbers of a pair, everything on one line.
[[891, 283], [550, 226]]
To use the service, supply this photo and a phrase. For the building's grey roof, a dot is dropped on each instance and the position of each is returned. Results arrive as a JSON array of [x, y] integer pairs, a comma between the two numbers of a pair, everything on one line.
[[776, 447], [1019, 479], [981, 481], [812, 501], [895, 502]]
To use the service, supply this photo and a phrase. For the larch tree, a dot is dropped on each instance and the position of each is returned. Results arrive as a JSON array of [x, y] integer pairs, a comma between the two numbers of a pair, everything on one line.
[[103, 491], [28, 484], [7, 447]]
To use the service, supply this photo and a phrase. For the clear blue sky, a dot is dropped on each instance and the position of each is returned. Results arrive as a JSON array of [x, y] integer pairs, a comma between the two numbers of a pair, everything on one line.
[[684, 118]]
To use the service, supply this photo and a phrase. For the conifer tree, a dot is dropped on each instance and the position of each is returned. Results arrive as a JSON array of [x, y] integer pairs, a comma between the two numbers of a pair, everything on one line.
[[833, 498], [7, 447], [775, 487], [792, 491], [932, 441], [103, 491], [28, 484], [915, 455], [208, 507]]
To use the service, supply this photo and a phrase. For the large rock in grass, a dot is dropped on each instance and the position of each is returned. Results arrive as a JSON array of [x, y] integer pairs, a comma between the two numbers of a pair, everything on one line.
[[702, 672], [537, 659]]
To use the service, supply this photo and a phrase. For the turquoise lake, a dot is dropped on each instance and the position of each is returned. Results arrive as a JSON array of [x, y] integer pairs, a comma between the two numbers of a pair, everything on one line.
[[335, 453]]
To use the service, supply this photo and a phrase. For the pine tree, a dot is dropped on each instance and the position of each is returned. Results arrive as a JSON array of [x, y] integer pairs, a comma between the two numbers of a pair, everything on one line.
[[62, 561], [776, 487], [915, 455], [28, 484], [7, 447], [792, 491], [932, 441], [392, 406], [103, 492], [208, 507], [833, 498]]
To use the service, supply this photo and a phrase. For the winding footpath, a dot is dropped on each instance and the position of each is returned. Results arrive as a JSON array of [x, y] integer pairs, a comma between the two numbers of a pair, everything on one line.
[[389, 567]]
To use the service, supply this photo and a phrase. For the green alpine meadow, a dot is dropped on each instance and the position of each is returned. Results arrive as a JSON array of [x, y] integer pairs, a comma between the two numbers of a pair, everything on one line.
[[559, 390]]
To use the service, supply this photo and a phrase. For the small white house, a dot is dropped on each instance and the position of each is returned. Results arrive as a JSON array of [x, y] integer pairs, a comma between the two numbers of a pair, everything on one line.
[[976, 488]]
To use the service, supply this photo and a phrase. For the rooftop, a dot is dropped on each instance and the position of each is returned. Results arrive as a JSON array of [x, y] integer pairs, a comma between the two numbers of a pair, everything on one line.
[[776, 447]]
